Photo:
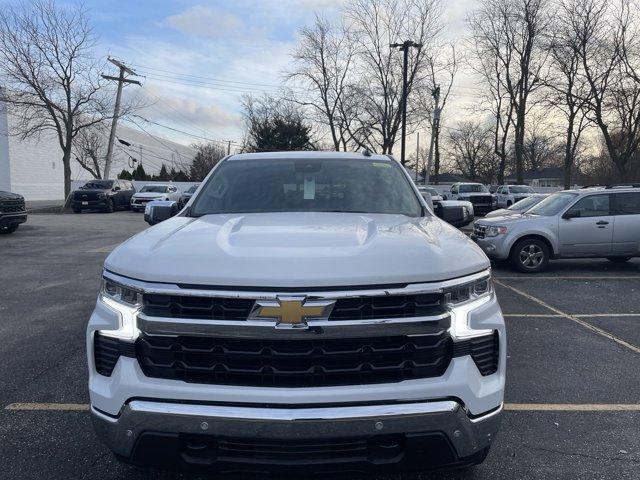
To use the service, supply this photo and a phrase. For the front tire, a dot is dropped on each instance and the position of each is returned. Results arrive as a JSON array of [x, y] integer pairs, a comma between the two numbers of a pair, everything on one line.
[[619, 259], [530, 255], [77, 210]]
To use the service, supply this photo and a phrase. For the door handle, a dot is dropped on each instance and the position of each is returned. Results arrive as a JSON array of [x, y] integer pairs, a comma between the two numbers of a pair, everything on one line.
[[602, 222]]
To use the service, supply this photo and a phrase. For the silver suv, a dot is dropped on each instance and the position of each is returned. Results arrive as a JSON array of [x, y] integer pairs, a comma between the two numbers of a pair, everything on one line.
[[595, 222]]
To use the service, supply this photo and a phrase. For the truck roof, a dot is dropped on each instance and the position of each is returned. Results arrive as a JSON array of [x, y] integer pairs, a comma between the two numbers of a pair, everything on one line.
[[309, 156]]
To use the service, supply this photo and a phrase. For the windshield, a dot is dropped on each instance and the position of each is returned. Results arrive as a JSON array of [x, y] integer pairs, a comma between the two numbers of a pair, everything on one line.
[[98, 185], [192, 189], [155, 188], [525, 204], [317, 185], [521, 189], [553, 204], [476, 188]]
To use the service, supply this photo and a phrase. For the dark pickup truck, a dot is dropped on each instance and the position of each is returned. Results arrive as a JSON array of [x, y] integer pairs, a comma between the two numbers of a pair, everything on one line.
[[106, 195], [12, 212]]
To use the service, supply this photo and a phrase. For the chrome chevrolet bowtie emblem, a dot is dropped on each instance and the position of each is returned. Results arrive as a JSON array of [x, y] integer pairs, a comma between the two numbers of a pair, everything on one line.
[[291, 312]]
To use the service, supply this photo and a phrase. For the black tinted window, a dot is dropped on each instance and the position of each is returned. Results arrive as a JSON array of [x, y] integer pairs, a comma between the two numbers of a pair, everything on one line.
[[317, 185], [627, 203], [592, 206]]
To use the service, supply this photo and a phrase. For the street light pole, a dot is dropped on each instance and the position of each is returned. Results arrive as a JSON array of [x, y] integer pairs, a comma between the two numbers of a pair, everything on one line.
[[404, 48]]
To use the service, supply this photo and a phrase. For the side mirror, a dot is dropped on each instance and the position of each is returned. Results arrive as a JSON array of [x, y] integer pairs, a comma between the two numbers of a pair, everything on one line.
[[116, 188], [571, 214], [159, 210]]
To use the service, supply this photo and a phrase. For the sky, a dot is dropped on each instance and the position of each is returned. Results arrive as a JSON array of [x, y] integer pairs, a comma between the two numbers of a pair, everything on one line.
[[198, 57]]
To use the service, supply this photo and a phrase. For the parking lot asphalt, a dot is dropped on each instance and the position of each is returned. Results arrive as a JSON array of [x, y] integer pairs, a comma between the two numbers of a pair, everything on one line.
[[572, 406]]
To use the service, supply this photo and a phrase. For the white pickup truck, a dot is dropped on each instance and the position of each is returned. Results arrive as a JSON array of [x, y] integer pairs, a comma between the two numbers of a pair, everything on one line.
[[304, 311]]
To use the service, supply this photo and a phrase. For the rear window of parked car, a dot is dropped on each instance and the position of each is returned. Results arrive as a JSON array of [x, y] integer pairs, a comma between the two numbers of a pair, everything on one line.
[[627, 203]]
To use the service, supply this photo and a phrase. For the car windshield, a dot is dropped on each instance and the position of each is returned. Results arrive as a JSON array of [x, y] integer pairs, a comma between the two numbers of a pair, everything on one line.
[[525, 204], [521, 189], [192, 189], [553, 204], [310, 185], [155, 188], [475, 188], [98, 185]]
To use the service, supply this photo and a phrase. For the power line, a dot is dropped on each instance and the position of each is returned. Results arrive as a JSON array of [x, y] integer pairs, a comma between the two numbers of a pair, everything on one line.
[[224, 142]]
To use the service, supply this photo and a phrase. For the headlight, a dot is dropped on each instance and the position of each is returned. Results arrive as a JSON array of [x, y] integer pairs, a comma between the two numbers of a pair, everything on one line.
[[468, 291], [461, 300], [126, 302], [495, 231]]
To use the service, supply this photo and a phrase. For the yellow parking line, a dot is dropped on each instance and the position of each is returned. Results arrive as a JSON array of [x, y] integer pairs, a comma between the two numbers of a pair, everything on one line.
[[524, 407], [573, 318]]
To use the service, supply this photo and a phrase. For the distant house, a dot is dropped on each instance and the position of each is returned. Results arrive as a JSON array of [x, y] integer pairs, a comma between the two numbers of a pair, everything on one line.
[[546, 177]]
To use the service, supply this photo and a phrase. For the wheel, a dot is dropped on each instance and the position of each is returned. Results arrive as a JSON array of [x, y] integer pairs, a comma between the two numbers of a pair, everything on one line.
[[619, 259], [111, 206], [530, 255], [77, 210], [7, 230], [509, 204]]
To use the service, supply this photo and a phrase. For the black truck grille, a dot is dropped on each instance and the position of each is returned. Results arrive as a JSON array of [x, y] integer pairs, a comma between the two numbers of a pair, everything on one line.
[[85, 195], [484, 350], [12, 206], [357, 308], [295, 363], [107, 351], [481, 199]]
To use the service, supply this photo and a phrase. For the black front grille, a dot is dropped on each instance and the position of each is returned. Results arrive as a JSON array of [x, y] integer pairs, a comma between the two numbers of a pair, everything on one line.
[[357, 308], [295, 363], [484, 350], [12, 206], [86, 196], [201, 308], [479, 230], [481, 199]]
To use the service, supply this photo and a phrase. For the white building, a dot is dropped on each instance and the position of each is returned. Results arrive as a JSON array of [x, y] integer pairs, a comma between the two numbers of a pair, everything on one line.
[[33, 167]]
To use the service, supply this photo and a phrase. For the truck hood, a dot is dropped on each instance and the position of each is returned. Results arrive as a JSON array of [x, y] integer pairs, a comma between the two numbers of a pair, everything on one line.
[[298, 250], [149, 194], [10, 196]]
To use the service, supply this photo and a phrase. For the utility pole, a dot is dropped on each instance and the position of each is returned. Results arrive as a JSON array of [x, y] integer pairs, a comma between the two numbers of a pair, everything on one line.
[[404, 48], [435, 125], [121, 79], [417, 156], [229, 148]]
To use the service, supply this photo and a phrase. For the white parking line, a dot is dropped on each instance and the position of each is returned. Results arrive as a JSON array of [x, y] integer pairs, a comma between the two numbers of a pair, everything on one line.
[[522, 407], [573, 318]]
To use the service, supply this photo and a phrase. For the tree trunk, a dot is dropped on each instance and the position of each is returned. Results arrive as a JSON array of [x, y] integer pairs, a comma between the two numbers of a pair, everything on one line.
[[436, 154], [568, 155], [66, 163], [519, 143]]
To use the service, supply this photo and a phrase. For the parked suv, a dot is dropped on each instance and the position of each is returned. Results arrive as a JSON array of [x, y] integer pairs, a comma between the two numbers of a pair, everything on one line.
[[476, 193], [507, 195], [306, 310], [154, 192], [13, 212], [186, 196], [594, 222], [107, 195]]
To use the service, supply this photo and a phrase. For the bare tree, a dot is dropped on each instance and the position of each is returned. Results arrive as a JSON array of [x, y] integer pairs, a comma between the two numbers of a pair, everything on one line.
[[89, 148], [323, 60], [471, 149], [606, 43], [52, 79], [376, 24], [570, 92], [507, 38], [541, 146]]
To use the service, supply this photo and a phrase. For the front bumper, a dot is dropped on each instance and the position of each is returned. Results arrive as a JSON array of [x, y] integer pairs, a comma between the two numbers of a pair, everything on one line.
[[405, 435], [99, 204], [11, 219], [494, 247]]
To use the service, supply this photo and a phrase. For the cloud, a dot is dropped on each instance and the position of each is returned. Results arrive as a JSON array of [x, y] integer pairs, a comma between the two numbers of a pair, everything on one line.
[[205, 22]]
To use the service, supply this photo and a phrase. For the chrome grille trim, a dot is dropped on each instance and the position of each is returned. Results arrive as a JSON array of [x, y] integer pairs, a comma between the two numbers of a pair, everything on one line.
[[411, 289]]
